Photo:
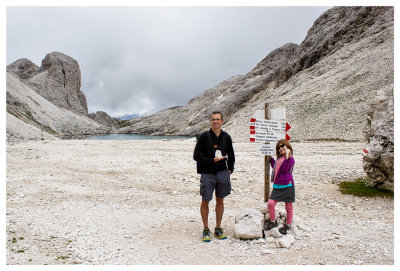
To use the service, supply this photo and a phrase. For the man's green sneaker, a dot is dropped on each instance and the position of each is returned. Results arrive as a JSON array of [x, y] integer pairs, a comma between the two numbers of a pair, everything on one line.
[[219, 233], [206, 235]]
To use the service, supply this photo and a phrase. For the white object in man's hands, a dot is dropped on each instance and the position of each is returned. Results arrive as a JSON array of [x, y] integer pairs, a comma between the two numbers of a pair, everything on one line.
[[218, 154]]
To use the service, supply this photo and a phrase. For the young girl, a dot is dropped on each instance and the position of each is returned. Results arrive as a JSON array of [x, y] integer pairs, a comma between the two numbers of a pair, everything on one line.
[[283, 188]]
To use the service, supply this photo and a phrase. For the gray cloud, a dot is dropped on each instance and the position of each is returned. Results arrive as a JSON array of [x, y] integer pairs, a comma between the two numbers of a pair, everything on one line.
[[145, 59]]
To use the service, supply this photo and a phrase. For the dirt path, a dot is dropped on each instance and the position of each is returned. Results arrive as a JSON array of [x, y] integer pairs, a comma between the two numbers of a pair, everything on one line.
[[137, 202]]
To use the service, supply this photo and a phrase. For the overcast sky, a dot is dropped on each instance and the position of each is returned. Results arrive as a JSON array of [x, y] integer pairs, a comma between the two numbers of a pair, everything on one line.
[[145, 59]]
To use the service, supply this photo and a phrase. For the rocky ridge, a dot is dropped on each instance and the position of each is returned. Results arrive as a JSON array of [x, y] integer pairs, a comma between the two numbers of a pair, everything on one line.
[[103, 118], [30, 107], [58, 80], [24, 68], [182, 120], [47, 98], [326, 83]]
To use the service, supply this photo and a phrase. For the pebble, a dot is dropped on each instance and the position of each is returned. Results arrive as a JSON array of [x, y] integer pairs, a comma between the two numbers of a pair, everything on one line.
[[180, 221], [267, 251]]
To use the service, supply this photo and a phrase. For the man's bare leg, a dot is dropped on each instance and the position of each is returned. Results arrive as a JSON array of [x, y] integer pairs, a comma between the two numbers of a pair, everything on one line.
[[219, 210], [204, 210]]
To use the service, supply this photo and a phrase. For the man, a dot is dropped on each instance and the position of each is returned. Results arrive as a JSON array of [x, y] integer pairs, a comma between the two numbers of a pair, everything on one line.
[[216, 158]]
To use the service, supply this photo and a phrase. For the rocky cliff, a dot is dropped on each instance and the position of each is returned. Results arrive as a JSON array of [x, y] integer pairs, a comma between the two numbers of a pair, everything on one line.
[[326, 83], [58, 80], [378, 160], [47, 99]]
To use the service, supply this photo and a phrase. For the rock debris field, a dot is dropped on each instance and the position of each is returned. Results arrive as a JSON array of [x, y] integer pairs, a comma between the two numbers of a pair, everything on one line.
[[137, 202]]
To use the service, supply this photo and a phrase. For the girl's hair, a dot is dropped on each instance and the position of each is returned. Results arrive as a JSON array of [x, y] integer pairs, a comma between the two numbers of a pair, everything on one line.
[[282, 142]]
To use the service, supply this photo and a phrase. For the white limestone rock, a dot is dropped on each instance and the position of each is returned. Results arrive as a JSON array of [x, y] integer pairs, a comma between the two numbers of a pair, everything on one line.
[[274, 232], [286, 241], [249, 224], [378, 157]]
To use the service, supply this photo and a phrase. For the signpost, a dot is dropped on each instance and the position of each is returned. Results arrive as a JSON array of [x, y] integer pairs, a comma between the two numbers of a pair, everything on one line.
[[264, 137], [267, 159], [268, 131], [268, 125], [266, 149]]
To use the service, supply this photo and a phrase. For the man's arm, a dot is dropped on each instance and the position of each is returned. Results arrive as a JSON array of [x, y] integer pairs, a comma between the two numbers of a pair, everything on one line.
[[200, 150], [231, 155]]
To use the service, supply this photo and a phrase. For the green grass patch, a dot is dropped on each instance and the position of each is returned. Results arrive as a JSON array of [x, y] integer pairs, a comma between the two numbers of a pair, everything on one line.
[[362, 188]]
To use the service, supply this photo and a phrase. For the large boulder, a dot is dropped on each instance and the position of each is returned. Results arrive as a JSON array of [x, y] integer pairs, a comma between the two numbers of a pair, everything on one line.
[[249, 224], [378, 158]]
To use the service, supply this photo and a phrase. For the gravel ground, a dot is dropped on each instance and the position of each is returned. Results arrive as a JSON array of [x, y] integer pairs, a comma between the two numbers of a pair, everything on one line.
[[137, 202]]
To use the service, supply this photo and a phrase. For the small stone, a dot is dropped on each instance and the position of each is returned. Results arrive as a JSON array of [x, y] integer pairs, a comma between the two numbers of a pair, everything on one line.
[[304, 228], [286, 241], [270, 239], [273, 232], [267, 251]]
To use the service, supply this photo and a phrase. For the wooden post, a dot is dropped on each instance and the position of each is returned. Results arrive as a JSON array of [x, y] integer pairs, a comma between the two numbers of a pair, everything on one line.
[[267, 161]]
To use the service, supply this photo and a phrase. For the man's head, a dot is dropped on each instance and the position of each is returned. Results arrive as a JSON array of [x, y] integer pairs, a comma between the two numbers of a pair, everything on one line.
[[217, 119]]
